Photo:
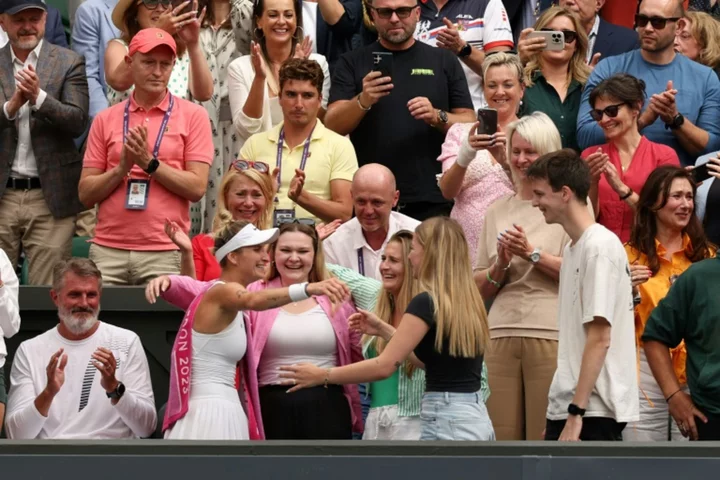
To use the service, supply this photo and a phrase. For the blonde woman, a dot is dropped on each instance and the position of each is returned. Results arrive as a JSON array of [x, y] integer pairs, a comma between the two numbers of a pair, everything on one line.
[[518, 267], [554, 79], [473, 164], [698, 38], [246, 193], [445, 326]]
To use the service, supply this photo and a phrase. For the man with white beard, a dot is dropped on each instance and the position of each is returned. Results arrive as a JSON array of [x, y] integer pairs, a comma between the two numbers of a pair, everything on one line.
[[84, 379]]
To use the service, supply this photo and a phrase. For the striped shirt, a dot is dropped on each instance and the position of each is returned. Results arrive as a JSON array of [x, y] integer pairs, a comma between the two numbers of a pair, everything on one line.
[[365, 293]]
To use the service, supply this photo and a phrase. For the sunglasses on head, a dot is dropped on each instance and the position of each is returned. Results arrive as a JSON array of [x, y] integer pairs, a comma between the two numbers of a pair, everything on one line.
[[153, 4], [243, 165], [570, 35], [302, 221], [658, 23], [386, 13], [611, 111]]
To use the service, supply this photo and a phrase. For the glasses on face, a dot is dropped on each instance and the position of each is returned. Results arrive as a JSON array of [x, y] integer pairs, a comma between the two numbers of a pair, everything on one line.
[[570, 35], [658, 23], [611, 111], [153, 4], [243, 165], [386, 13]]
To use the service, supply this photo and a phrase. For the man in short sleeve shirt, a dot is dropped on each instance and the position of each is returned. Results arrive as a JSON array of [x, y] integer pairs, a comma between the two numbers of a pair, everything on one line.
[[594, 391], [470, 29], [151, 176], [400, 120]]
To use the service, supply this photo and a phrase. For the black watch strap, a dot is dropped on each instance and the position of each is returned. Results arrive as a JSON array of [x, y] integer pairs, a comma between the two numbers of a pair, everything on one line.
[[575, 410], [465, 51], [676, 123], [118, 392], [152, 166]]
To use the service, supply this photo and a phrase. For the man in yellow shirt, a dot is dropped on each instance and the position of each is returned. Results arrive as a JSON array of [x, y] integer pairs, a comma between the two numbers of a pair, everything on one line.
[[314, 165]]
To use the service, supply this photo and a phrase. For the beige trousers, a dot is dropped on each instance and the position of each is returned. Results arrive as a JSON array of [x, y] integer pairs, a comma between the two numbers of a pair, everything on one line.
[[26, 221], [520, 371], [127, 267]]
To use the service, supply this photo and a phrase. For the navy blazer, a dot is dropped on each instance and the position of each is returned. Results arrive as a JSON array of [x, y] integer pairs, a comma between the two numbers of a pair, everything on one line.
[[54, 30], [613, 40], [335, 40]]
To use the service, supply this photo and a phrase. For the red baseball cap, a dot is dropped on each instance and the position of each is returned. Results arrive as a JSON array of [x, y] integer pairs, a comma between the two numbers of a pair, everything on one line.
[[149, 38]]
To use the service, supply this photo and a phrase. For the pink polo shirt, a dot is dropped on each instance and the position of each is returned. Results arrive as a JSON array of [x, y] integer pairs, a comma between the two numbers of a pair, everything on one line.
[[188, 138], [615, 214]]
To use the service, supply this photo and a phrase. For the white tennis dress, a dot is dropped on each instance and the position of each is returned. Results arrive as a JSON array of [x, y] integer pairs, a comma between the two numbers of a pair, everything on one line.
[[214, 408]]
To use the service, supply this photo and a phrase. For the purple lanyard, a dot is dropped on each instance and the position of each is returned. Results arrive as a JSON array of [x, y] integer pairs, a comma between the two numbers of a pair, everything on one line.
[[278, 160], [163, 125], [361, 261]]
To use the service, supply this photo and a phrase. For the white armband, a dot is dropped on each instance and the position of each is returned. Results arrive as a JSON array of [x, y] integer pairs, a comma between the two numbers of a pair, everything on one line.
[[298, 292]]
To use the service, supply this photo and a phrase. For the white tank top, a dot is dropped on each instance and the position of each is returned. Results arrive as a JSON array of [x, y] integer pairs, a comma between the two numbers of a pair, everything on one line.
[[215, 356], [307, 337]]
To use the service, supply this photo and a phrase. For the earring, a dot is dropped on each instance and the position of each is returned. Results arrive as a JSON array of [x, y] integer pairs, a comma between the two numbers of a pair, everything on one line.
[[259, 35]]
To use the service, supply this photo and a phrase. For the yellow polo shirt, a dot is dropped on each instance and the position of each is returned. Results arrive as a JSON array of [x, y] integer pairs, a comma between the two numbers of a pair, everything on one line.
[[331, 157]]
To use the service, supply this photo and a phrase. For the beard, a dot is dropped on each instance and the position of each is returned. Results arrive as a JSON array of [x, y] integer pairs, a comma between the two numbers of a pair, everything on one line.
[[396, 38], [24, 42], [76, 323]]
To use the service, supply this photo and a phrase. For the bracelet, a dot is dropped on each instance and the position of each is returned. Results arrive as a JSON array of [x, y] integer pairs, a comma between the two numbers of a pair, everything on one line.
[[668, 398], [365, 109], [298, 292], [327, 377], [627, 195], [493, 282], [504, 269]]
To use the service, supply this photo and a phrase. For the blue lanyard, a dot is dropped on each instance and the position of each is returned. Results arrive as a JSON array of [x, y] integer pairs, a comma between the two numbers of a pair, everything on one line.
[[361, 261], [278, 160], [163, 125]]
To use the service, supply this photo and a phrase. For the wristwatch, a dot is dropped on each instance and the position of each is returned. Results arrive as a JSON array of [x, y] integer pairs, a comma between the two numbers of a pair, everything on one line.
[[465, 51], [117, 393], [442, 115], [676, 123], [535, 256], [152, 166], [575, 410]]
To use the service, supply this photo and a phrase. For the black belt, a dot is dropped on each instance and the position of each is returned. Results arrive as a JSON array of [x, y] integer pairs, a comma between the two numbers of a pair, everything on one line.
[[23, 183]]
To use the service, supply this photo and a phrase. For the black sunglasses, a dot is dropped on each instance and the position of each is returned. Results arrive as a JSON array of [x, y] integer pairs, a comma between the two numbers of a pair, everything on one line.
[[611, 111], [386, 13], [153, 4], [570, 35], [658, 23]]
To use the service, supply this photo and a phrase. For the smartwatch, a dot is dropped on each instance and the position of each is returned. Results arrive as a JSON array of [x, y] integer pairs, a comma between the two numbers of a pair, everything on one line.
[[676, 122], [117, 393], [465, 51], [152, 166], [575, 410], [535, 256]]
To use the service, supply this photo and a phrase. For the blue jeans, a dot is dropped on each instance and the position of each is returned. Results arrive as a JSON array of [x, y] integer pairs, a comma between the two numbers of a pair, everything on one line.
[[455, 416]]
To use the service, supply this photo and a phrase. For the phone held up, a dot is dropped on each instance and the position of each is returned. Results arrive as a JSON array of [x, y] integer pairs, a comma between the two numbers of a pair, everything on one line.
[[701, 173], [554, 41], [383, 62], [488, 118]]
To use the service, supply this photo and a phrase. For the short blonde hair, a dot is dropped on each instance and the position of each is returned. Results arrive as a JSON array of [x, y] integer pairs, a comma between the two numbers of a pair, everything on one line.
[[502, 59], [706, 31], [538, 130], [578, 68], [223, 217]]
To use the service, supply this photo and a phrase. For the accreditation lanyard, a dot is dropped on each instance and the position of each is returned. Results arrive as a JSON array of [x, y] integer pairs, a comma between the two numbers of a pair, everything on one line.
[[278, 160], [163, 125], [361, 261]]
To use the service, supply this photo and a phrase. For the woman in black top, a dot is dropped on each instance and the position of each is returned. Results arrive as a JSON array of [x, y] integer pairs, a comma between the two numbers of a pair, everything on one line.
[[445, 327]]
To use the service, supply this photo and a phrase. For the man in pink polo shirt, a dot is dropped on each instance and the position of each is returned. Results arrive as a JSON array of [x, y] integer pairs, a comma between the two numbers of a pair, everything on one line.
[[147, 158]]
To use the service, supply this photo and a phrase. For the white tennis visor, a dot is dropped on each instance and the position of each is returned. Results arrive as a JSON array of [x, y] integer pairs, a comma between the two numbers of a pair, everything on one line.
[[249, 236]]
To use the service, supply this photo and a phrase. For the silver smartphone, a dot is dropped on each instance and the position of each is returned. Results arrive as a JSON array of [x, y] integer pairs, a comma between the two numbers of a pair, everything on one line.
[[554, 41]]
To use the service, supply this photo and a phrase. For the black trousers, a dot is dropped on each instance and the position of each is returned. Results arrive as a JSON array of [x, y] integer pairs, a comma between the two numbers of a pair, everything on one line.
[[316, 413], [599, 429], [424, 210], [708, 431]]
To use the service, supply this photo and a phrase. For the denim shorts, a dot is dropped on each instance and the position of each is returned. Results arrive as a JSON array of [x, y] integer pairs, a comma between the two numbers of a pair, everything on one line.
[[455, 416]]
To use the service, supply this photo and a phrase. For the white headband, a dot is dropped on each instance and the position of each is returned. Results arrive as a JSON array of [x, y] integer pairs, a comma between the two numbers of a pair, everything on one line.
[[249, 236]]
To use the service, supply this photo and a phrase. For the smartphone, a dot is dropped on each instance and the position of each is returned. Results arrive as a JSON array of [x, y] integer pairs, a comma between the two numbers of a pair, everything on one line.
[[701, 173], [488, 118], [383, 62], [554, 41]]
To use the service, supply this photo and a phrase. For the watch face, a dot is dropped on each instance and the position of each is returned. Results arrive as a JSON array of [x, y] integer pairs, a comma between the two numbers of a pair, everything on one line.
[[443, 116], [120, 389]]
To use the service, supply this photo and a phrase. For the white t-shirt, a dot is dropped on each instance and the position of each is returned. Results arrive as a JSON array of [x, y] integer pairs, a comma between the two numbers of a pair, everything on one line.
[[348, 248], [81, 409], [595, 282], [3, 38]]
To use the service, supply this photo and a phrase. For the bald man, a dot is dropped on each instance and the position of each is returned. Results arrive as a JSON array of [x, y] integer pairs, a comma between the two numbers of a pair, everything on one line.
[[359, 243]]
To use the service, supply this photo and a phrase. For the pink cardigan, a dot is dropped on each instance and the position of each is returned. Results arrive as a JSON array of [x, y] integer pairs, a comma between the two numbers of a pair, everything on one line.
[[184, 289]]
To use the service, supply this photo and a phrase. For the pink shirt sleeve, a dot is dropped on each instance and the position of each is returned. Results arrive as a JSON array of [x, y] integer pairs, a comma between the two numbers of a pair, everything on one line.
[[96, 152], [666, 156], [451, 146], [199, 146]]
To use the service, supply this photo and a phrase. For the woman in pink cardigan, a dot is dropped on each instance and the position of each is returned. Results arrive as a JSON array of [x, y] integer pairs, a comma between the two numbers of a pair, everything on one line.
[[308, 331]]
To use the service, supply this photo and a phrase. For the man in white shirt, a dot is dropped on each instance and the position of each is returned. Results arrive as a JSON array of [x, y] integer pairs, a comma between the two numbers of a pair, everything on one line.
[[359, 243], [83, 379], [594, 391], [9, 319]]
